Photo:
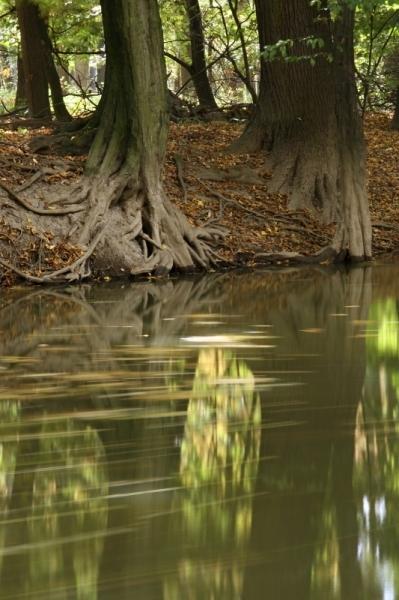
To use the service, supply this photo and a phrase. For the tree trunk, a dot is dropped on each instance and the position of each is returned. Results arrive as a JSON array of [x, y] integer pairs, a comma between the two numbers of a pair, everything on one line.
[[38, 63], [130, 222], [395, 118], [36, 85], [82, 72], [53, 78], [20, 96], [198, 69], [307, 119]]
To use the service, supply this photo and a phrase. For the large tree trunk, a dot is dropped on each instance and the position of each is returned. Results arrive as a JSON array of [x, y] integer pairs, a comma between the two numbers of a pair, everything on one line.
[[198, 69], [133, 226], [307, 120], [353, 237], [36, 84]]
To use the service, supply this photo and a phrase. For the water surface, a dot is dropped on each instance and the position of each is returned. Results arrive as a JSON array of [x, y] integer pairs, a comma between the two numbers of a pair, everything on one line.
[[219, 438]]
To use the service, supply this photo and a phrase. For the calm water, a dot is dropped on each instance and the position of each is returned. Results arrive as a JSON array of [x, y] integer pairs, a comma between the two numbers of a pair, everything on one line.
[[224, 438]]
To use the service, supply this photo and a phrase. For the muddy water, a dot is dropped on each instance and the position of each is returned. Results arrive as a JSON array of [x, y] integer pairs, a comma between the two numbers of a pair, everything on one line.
[[229, 437]]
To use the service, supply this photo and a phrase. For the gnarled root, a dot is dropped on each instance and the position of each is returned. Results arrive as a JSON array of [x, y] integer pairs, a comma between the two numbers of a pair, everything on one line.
[[122, 230]]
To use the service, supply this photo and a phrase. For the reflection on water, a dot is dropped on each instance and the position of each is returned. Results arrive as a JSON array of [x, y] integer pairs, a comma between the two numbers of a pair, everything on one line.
[[227, 437], [218, 468]]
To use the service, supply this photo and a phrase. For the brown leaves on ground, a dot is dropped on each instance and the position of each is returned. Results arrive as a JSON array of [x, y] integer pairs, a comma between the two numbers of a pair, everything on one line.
[[34, 252], [257, 222], [383, 173], [273, 229], [18, 163], [279, 229]]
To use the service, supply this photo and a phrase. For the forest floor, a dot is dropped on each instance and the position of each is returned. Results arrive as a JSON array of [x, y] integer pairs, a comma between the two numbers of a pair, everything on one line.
[[209, 184], [259, 222]]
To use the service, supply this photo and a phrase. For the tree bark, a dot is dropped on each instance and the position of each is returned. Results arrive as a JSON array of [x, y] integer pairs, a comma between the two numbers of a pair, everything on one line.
[[20, 96], [53, 78], [198, 69], [39, 68], [36, 84], [307, 120], [395, 118], [129, 219]]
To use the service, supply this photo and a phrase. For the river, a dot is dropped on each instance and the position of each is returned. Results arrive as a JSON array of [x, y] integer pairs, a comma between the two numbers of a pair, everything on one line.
[[226, 437]]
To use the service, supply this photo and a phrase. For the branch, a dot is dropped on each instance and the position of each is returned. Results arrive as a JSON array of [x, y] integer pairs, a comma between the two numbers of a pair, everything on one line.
[[78, 53], [179, 61], [6, 14]]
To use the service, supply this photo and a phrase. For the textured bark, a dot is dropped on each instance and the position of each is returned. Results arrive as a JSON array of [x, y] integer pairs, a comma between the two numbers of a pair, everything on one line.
[[129, 219], [53, 78], [20, 96], [38, 63], [36, 84], [395, 118], [307, 121], [198, 69]]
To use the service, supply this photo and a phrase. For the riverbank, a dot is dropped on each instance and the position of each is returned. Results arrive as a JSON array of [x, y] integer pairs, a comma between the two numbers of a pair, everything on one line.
[[210, 186], [274, 228]]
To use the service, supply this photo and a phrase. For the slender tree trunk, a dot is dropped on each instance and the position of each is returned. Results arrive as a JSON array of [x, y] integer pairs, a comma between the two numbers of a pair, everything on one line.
[[307, 120], [20, 97], [129, 219], [395, 118], [198, 65], [82, 72], [53, 78], [36, 84], [39, 68]]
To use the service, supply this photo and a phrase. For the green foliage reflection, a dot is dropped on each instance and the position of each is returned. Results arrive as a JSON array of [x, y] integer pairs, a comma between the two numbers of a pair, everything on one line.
[[219, 463], [69, 508]]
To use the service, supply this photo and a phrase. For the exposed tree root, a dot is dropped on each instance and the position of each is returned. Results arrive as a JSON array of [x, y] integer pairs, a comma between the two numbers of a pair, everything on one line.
[[123, 231], [327, 255], [287, 221], [38, 211], [239, 174], [78, 270]]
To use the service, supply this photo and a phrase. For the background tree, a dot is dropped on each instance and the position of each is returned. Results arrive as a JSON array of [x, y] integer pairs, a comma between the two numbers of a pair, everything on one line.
[[198, 67], [230, 48], [35, 77], [39, 71], [376, 36]]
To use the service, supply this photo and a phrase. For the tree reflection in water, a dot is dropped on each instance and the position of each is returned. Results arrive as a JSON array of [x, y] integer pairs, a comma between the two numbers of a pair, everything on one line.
[[376, 477], [219, 464], [68, 505], [60, 515], [10, 415], [129, 457]]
